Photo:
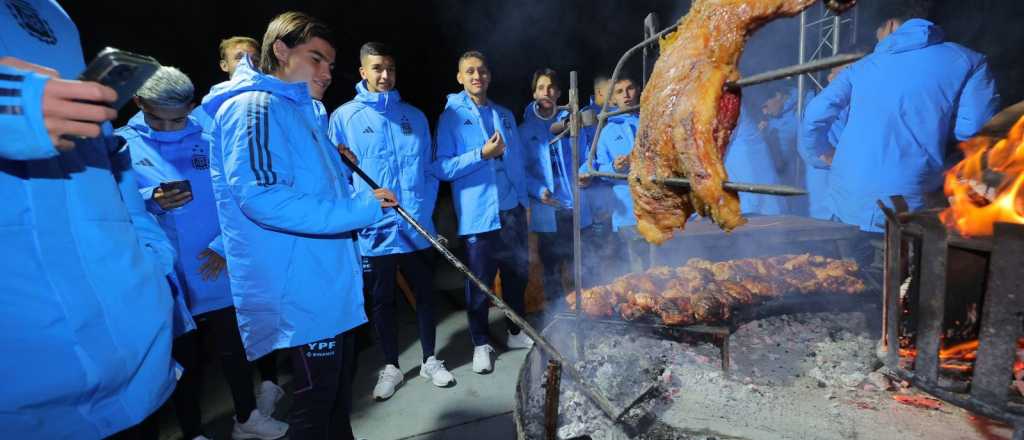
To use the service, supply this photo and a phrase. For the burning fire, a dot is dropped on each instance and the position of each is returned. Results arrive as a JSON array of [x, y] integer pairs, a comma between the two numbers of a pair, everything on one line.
[[960, 357], [984, 188]]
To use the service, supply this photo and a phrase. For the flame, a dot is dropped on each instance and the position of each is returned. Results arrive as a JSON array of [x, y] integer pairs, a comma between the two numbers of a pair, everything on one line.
[[960, 357], [984, 188]]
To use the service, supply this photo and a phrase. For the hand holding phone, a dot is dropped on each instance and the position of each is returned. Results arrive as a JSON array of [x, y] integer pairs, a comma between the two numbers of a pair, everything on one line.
[[70, 108], [172, 195]]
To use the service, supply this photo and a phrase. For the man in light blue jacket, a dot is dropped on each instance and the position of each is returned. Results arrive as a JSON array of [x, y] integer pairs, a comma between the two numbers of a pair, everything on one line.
[[816, 157], [613, 150], [85, 306], [391, 141], [232, 51], [549, 170], [287, 217], [168, 146], [479, 152], [749, 158], [908, 102]]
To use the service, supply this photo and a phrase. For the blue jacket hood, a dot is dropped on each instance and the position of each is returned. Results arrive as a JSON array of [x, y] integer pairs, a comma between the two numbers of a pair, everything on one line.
[[379, 101], [460, 99], [530, 115], [138, 123], [246, 78], [916, 33]]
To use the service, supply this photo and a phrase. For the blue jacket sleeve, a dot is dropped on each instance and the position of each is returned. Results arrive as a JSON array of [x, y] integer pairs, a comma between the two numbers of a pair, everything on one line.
[[604, 161], [979, 101], [534, 174], [151, 236], [262, 187], [448, 164], [23, 134], [819, 116]]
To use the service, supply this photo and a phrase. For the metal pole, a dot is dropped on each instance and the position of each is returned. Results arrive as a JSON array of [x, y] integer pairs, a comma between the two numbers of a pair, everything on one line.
[[551, 396], [800, 60], [577, 241], [540, 341], [651, 24]]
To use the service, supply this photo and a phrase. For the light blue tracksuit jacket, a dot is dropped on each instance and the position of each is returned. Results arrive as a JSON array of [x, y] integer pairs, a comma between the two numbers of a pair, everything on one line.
[[616, 140], [391, 139], [748, 159], [908, 101], [548, 167], [460, 136], [85, 307], [286, 215], [164, 156]]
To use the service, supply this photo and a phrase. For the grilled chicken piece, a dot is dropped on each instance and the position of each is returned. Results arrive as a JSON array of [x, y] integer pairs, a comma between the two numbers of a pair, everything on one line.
[[702, 291], [687, 115]]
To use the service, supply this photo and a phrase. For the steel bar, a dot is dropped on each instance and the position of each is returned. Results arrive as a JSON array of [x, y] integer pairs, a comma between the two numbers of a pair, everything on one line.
[[785, 72], [931, 306], [541, 342], [778, 190], [1000, 317], [558, 137], [615, 77], [891, 292], [552, 389], [577, 264], [651, 24]]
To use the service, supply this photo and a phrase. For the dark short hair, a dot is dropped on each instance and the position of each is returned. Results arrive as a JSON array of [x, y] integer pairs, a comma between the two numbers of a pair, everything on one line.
[[228, 43], [902, 10], [472, 54], [624, 78], [292, 28], [540, 73], [377, 49]]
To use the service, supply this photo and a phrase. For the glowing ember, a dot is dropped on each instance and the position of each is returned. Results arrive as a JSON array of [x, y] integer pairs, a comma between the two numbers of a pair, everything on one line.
[[984, 188], [960, 357]]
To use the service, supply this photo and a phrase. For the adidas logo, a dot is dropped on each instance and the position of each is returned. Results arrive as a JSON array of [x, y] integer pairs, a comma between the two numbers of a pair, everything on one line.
[[367, 130], [468, 122], [144, 163], [618, 138]]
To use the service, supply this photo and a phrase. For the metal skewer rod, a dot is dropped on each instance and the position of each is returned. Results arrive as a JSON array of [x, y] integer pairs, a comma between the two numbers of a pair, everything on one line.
[[771, 75], [785, 72], [585, 387], [776, 190]]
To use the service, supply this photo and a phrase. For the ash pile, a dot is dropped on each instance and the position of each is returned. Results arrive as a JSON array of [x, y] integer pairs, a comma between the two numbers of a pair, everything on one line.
[[796, 376]]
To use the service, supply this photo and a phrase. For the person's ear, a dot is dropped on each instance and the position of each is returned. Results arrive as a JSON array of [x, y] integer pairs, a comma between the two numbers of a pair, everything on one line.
[[458, 77], [362, 72], [281, 52], [224, 66], [137, 101]]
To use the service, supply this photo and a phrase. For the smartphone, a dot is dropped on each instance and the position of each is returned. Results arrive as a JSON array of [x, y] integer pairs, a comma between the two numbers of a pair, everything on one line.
[[123, 71], [180, 185]]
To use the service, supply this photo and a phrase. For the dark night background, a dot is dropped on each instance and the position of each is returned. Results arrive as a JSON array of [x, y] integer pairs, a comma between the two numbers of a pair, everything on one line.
[[517, 36]]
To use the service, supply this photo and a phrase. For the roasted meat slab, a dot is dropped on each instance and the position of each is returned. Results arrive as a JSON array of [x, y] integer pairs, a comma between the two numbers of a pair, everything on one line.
[[687, 115], [703, 291]]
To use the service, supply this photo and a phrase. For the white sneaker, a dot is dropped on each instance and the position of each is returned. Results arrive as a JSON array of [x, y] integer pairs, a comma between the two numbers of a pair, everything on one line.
[[434, 370], [390, 378], [259, 426], [518, 341], [482, 362], [267, 396]]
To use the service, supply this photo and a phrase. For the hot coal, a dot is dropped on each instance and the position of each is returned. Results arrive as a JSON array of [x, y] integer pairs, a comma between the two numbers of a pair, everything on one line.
[[811, 375]]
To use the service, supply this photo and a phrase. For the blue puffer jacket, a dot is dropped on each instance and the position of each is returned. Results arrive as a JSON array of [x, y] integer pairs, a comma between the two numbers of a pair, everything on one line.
[[85, 307], [617, 138], [748, 159], [816, 171], [460, 136], [163, 156], [908, 101], [548, 167], [286, 215], [391, 139], [782, 129], [598, 195]]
